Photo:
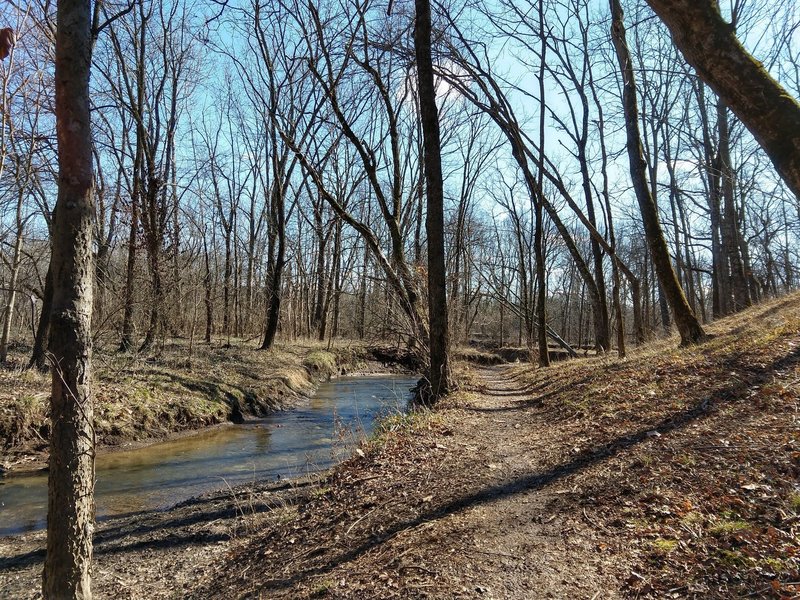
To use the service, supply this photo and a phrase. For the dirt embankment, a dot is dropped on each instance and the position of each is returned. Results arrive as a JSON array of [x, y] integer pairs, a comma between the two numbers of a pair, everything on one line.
[[140, 399], [674, 473]]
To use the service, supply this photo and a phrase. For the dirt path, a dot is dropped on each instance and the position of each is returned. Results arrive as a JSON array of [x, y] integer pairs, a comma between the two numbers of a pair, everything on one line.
[[514, 543], [511, 544], [672, 474], [458, 507], [466, 515]]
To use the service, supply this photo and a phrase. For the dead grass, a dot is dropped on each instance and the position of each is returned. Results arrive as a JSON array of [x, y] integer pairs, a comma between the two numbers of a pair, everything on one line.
[[672, 474], [714, 432]]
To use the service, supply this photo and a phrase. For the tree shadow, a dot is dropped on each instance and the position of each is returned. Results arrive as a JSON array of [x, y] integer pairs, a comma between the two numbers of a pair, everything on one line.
[[540, 480], [133, 528], [136, 526]]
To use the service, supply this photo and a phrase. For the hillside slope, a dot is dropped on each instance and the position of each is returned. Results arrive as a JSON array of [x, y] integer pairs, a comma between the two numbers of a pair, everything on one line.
[[671, 474]]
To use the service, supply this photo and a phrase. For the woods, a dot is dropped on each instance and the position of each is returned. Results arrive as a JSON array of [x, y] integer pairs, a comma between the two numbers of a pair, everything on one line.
[[286, 196], [556, 178]]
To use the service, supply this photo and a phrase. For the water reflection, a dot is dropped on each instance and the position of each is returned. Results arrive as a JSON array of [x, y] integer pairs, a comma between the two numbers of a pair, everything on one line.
[[286, 444]]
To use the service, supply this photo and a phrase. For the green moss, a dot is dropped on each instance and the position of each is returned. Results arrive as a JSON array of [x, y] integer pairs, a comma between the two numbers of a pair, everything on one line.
[[726, 527], [774, 564], [733, 559], [794, 502], [663, 546]]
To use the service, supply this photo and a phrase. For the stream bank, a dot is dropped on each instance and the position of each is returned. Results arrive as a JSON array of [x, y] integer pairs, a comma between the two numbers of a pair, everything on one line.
[[140, 400]]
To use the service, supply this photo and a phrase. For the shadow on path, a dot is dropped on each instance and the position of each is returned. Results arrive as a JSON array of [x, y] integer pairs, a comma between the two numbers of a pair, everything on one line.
[[536, 481]]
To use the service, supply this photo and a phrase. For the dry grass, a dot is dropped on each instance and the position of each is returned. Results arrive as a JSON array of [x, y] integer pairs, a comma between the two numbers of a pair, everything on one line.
[[673, 473]]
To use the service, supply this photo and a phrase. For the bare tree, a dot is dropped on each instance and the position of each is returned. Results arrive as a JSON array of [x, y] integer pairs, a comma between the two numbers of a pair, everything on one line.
[[690, 330], [710, 45], [439, 375]]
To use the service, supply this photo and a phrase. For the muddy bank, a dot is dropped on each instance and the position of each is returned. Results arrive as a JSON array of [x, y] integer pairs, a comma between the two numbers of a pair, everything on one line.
[[139, 401]]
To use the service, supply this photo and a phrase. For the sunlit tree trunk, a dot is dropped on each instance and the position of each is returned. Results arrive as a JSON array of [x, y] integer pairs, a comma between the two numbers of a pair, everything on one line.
[[439, 373], [70, 512], [710, 45], [538, 241], [688, 326]]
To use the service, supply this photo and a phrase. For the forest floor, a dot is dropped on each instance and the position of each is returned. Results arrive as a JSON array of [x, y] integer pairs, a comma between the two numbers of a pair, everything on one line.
[[140, 399], [672, 473]]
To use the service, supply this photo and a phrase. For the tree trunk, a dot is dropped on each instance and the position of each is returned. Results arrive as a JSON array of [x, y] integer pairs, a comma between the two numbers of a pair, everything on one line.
[[720, 276], [39, 352], [439, 372], [710, 45], [362, 296], [688, 326], [730, 229], [12, 290], [538, 238], [226, 284], [274, 285], [70, 510], [128, 341]]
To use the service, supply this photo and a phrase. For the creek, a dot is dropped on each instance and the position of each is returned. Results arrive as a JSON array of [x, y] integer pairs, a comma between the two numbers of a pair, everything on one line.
[[320, 432]]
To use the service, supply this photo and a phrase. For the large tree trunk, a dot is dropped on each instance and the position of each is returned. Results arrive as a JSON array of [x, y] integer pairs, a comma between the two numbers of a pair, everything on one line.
[[439, 373], [70, 510], [688, 326], [710, 45], [538, 238], [274, 272]]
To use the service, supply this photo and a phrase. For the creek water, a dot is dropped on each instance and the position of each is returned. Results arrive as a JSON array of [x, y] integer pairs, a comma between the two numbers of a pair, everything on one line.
[[313, 436]]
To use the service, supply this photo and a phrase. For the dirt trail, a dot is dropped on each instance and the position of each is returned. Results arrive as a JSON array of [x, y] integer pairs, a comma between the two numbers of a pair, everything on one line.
[[458, 509], [466, 515], [511, 543]]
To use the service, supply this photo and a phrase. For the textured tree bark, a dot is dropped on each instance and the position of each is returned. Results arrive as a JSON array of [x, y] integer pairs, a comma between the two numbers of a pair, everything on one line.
[[688, 326], [538, 241], [439, 373], [274, 278], [276, 259], [128, 341], [70, 511], [710, 45]]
